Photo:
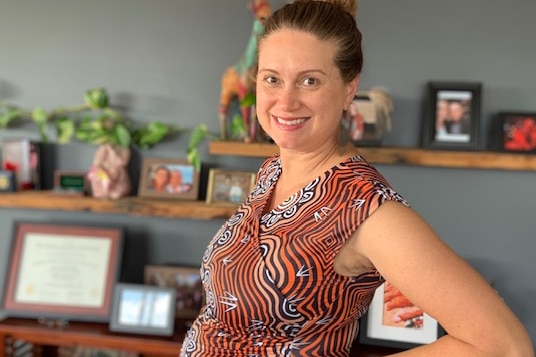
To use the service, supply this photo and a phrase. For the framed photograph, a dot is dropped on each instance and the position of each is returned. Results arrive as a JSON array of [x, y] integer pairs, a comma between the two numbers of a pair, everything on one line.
[[143, 309], [186, 281], [70, 182], [169, 178], [7, 181], [231, 187], [22, 156], [62, 271], [516, 132], [393, 321], [452, 117]]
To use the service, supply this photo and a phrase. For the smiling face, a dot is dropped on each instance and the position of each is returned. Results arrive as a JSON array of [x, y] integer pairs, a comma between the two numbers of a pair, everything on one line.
[[300, 93]]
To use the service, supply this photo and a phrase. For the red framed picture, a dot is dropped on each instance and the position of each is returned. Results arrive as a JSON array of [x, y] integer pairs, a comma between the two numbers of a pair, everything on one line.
[[517, 132], [62, 271]]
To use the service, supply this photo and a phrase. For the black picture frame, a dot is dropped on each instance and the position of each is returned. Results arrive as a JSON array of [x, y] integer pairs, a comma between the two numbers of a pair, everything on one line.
[[7, 181], [375, 331], [62, 271], [143, 309], [456, 131], [515, 132]]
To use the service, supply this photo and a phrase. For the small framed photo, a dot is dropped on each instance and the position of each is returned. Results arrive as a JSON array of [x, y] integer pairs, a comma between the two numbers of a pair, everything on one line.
[[452, 117], [143, 309], [22, 156], [169, 178], [70, 182], [7, 181], [231, 187], [393, 321], [186, 281], [516, 132], [62, 271]]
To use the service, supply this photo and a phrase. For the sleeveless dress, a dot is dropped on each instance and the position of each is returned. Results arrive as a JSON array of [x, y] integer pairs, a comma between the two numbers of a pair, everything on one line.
[[269, 281]]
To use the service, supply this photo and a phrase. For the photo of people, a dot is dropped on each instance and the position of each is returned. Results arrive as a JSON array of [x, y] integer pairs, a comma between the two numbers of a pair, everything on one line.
[[398, 311], [362, 120], [519, 132], [453, 116], [187, 283], [229, 186], [168, 178]]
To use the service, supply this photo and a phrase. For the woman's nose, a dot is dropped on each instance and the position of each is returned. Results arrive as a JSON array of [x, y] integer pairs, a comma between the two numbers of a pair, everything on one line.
[[288, 98]]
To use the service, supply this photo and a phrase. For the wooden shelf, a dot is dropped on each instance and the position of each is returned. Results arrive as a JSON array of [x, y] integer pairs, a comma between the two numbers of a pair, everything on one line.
[[401, 155], [134, 206]]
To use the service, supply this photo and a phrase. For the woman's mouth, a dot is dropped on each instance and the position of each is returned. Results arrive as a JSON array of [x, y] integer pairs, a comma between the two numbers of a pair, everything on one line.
[[290, 122]]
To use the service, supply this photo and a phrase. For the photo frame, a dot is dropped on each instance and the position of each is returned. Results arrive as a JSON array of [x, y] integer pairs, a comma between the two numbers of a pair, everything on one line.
[[186, 281], [452, 116], [516, 132], [380, 328], [71, 182], [229, 187], [7, 181], [169, 178], [62, 271], [143, 309], [23, 157]]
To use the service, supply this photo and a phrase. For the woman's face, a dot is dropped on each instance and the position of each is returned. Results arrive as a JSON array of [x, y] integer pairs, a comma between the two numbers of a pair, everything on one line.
[[300, 93]]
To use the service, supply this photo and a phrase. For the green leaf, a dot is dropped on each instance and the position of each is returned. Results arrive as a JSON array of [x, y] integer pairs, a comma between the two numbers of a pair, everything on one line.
[[96, 98], [122, 135], [65, 129], [39, 115]]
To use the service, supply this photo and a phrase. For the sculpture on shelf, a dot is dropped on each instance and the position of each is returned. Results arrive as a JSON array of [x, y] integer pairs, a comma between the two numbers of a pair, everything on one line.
[[108, 175], [238, 84]]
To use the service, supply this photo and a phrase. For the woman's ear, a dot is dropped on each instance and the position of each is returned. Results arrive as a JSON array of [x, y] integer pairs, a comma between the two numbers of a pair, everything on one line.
[[351, 90]]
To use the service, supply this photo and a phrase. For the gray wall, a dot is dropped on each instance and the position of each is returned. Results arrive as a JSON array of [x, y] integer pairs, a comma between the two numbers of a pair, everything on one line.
[[163, 59]]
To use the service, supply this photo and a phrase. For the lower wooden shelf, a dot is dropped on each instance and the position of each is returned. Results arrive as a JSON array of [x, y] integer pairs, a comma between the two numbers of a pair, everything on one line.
[[86, 335], [134, 206], [98, 335]]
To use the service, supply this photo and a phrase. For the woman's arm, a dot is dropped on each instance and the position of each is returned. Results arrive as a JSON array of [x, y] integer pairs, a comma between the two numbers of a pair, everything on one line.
[[410, 255]]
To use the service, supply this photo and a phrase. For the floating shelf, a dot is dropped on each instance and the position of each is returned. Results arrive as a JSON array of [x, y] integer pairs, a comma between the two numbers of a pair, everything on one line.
[[133, 206], [400, 155]]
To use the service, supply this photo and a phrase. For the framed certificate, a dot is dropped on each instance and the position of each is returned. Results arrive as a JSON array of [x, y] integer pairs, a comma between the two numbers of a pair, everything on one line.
[[62, 271]]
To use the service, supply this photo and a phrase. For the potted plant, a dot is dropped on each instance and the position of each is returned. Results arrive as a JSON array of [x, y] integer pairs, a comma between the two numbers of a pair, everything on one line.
[[97, 123]]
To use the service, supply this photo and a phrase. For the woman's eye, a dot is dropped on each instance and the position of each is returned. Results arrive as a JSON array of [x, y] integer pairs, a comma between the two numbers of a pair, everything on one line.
[[271, 79], [309, 81]]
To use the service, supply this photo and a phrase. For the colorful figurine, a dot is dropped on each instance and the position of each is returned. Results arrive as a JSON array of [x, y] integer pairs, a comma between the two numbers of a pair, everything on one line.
[[238, 81]]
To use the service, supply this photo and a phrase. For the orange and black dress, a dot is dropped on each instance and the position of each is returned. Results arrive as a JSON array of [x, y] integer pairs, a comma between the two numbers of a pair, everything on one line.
[[271, 289]]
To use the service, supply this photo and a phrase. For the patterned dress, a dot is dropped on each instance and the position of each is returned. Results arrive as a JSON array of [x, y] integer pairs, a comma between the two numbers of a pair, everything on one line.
[[271, 289]]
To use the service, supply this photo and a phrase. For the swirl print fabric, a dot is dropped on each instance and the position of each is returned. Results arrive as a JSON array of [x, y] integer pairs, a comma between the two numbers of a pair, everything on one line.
[[270, 286]]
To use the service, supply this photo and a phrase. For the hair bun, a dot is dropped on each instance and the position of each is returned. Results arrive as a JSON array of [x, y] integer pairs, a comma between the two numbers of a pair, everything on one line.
[[349, 6]]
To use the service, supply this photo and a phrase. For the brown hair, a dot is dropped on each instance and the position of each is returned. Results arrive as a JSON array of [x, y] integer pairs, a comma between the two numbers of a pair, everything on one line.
[[332, 20]]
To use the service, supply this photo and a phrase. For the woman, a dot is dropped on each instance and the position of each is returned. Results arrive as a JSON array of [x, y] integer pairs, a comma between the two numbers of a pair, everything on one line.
[[290, 273]]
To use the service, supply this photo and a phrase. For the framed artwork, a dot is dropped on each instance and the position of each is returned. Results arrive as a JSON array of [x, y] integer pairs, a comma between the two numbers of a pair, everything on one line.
[[22, 156], [169, 178], [62, 271], [393, 321], [516, 132], [186, 281], [143, 309], [231, 187], [452, 117]]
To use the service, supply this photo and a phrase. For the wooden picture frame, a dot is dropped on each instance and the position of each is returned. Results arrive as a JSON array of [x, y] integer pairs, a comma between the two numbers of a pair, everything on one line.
[[62, 271], [229, 187], [516, 132], [169, 178], [452, 116], [71, 182], [186, 281], [379, 326], [143, 309]]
